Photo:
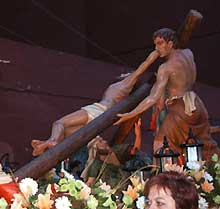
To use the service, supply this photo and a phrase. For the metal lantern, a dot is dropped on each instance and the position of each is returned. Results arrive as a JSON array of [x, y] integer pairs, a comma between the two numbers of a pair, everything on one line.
[[192, 149], [165, 156]]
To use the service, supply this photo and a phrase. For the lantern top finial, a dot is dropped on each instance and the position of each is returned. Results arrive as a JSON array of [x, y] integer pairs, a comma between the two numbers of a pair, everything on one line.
[[165, 142], [190, 133], [192, 140], [165, 150]]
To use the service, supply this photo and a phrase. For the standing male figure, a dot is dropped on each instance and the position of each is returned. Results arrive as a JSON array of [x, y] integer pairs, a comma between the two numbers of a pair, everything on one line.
[[74, 121], [172, 88]]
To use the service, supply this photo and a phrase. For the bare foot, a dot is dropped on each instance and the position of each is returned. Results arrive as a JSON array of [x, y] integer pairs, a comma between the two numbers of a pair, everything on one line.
[[40, 146]]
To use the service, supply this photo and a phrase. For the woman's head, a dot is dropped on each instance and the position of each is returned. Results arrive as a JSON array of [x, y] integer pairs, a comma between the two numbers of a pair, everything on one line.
[[171, 190]]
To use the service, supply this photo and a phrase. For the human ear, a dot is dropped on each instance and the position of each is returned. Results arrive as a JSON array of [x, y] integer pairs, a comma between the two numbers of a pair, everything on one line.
[[170, 44]]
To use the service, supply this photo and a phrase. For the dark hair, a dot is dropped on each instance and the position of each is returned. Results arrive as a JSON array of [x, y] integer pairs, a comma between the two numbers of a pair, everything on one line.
[[167, 34], [182, 189]]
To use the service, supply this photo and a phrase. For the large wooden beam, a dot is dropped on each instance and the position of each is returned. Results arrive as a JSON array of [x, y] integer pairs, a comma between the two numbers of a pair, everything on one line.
[[185, 31], [49, 159], [184, 34]]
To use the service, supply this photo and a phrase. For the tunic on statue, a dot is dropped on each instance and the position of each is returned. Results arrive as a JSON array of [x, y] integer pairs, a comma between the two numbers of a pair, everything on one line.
[[111, 174], [180, 119]]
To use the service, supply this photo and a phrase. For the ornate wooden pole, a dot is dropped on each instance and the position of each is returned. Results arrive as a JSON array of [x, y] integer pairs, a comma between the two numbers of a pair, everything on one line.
[[49, 159]]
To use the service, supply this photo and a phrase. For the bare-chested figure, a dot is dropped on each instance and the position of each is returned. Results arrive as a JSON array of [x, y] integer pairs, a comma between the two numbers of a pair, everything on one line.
[[172, 88], [72, 122]]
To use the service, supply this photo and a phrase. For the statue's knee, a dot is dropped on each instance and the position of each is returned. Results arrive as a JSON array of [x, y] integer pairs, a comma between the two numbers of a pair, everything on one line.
[[59, 124]]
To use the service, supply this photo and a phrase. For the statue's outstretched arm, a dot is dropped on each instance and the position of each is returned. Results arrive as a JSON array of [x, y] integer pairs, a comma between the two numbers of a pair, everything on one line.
[[157, 91], [132, 78]]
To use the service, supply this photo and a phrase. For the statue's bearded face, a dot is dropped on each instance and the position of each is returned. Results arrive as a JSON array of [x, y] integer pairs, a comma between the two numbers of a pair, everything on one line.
[[102, 147]]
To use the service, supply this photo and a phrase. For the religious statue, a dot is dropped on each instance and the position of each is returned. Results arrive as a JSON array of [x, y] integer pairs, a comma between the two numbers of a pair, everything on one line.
[[74, 121], [173, 90]]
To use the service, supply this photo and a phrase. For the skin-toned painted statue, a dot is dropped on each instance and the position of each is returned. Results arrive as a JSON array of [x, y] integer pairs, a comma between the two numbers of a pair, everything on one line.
[[173, 89], [74, 121]]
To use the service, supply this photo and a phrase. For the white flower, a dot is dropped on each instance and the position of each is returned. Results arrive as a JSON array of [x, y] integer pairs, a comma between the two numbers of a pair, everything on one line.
[[67, 174], [62, 203], [28, 187], [49, 189], [140, 203], [17, 205], [19, 202], [207, 177], [194, 165], [203, 203], [105, 186]]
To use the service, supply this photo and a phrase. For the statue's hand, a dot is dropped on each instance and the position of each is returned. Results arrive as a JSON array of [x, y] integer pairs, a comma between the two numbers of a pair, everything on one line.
[[123, 117], [137, 127]]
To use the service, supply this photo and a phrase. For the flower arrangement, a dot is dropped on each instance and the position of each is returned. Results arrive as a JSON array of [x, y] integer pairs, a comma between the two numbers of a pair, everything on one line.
[[70, 193], [206, 176], [207, 180]]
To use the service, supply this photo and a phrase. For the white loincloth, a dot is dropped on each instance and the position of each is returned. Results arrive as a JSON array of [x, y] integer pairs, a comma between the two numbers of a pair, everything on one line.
[[94, 110], [188, 99]]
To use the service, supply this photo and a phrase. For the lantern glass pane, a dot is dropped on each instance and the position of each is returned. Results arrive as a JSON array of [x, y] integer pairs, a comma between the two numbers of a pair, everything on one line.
[[192, 154], [166, 161], [200, 153], [141, 175]]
